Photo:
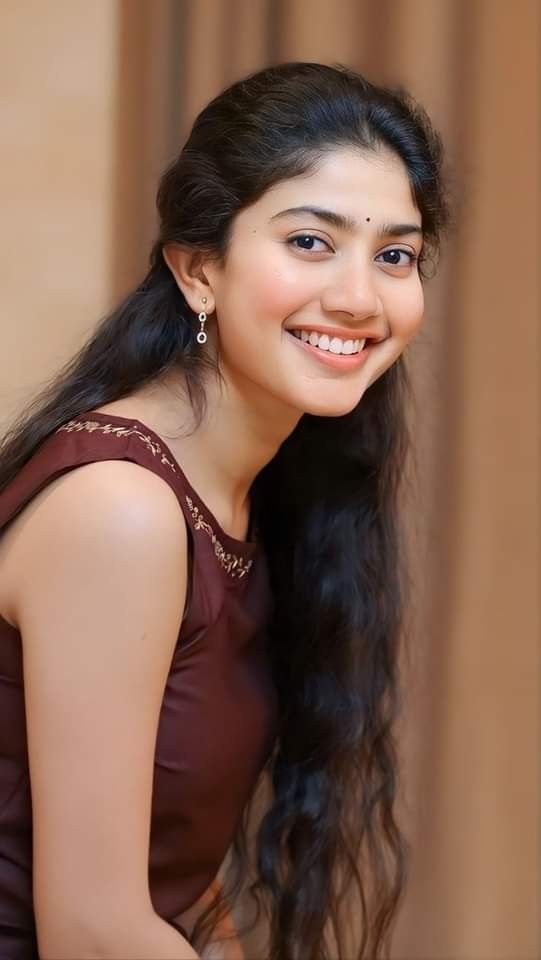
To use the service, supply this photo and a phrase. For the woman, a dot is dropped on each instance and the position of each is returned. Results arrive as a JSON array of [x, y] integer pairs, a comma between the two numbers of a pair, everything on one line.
[[173, 657]]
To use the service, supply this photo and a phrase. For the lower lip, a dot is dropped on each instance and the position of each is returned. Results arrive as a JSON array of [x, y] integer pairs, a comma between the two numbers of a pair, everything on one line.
[[340, 361]]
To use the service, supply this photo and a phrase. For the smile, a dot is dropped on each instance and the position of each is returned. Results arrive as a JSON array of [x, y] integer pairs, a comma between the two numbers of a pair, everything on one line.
[[333, 344], [359, 349]]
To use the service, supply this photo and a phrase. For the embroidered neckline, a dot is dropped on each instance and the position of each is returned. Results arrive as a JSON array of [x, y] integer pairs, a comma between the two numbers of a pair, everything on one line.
[[235, 565]]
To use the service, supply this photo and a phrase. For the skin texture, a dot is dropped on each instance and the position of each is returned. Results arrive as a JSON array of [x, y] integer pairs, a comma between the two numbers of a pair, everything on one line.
[[346, 279]]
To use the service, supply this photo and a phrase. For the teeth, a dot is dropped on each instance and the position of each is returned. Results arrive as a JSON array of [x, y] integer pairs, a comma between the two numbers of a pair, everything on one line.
[[324, 342], [337, 346]]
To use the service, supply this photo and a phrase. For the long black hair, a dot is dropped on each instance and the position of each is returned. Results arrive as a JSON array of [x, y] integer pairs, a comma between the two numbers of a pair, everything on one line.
[[326, 506]]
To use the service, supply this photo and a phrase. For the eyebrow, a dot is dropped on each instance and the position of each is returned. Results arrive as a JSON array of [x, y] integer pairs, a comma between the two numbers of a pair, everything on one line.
[[349, 224]]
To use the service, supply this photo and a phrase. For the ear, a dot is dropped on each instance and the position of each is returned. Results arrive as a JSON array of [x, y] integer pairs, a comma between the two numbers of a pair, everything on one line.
[[186, 265]]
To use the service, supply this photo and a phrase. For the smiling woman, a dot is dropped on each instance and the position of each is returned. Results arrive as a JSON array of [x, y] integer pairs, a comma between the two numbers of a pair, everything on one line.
[[347, 281], [259, 369]]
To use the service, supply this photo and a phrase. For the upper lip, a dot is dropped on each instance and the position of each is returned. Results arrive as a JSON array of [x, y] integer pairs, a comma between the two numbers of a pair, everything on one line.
[[340, 332]]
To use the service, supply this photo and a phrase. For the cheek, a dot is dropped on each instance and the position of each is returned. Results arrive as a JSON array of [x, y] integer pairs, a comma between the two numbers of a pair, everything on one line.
[[405, 313], [276, 295], [268, 288]]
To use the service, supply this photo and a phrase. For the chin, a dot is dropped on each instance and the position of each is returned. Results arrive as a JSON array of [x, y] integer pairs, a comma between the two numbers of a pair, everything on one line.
[[335, 408]]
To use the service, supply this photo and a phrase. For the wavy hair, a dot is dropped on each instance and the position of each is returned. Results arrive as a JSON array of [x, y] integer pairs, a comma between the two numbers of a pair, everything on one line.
[[326, 506]]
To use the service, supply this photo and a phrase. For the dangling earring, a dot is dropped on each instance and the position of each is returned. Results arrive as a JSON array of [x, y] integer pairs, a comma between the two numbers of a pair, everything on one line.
[[201, 336]]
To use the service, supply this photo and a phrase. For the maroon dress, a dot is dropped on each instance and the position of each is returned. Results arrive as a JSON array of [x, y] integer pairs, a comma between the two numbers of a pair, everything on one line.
[[218, 718]]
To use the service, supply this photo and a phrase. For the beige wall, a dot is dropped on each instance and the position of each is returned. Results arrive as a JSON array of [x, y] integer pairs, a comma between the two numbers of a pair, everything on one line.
[[57, 138]]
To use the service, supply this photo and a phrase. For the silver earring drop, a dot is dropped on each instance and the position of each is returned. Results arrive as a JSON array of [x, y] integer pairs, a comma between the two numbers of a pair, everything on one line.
[[201, 336]]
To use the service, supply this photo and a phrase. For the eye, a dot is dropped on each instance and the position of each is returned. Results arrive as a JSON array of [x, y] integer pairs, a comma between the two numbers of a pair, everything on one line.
[[412, 257], [307, 240], [311, 238]]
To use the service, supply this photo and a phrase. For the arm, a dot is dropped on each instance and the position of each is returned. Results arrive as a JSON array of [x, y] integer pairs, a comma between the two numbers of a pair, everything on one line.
[[140, 938], [99, 603]]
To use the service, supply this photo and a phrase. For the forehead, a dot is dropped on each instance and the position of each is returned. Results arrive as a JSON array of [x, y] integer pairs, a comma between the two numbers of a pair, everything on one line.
[[355, 183]]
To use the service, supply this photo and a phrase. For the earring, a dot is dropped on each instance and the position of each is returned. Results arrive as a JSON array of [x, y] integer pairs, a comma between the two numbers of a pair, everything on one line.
[[201, 336]]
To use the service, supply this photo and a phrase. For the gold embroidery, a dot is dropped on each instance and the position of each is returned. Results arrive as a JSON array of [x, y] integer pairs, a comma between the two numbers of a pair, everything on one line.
[[235, 566], [91, 425]]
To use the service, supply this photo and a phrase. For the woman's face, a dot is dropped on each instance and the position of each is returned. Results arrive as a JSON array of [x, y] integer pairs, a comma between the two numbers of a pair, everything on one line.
[[299, 270]]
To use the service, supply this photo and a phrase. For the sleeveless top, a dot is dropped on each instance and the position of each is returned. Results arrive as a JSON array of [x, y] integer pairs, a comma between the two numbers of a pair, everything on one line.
[[218, 719]]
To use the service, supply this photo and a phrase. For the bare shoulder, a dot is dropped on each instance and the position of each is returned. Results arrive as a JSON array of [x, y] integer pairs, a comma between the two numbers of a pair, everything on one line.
[[119, 501]]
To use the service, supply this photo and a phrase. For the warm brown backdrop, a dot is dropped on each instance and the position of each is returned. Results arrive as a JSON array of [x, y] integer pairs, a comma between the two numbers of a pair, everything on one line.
[[96, 97]]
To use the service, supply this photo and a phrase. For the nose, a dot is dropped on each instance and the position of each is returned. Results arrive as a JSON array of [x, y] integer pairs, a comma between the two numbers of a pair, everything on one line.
[[352, 290]]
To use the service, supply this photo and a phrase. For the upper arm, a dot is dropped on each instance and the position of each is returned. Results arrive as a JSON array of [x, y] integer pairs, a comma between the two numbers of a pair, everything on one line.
[[99, 608]]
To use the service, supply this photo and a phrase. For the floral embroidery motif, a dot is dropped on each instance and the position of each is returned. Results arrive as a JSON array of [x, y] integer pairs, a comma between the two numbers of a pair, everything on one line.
[[235, 566], [91, 425]]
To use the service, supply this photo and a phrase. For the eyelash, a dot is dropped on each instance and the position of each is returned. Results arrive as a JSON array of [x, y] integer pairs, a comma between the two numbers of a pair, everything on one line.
[[412, 256]]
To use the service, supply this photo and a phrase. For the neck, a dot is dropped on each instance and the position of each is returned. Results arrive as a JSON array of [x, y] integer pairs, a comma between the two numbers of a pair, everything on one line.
[[239, 435]]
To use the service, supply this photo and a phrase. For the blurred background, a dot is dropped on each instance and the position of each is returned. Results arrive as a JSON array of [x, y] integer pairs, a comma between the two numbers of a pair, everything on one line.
[[96, 98]]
